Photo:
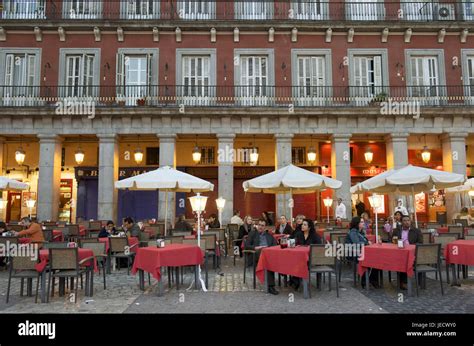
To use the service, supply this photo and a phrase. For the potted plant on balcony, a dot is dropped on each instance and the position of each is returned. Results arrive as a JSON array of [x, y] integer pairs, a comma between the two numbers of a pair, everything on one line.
[[379, 98], [141, 102]]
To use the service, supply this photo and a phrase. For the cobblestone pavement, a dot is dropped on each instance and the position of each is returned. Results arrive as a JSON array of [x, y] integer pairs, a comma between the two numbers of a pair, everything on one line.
[[227, 294]]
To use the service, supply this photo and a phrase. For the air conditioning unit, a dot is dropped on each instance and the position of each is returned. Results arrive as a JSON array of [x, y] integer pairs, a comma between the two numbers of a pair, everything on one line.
[[445, 12]]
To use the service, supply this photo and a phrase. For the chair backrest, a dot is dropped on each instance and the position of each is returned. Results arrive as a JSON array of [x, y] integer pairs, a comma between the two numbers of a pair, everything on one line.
[[385, 236], [334, 236], [73, 230], [445, 239], [55, 245], [179, 234], [98, 248], [210, 240], [427, 254], [154, 231], [84, 223], [49, 223], [63, 229], [176, 239], [462, 222], [118, 244], [345, 224], [94, 234], [48, 234], [317, 256], [426, 237], [8, 240], [431, 225], [214, 231], [469, 237], [95, 225], [63, 259], [16, 228], [25, 261], [88, 240], [455, 229], [470, 231]]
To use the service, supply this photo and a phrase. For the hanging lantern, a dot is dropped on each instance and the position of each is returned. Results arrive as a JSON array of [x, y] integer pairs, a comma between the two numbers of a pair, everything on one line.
[[197, 154], [138, 155], [312, 155], [369, 155], [20, 156], [426, 155], [471, 193], [79, 156], [254, 156]]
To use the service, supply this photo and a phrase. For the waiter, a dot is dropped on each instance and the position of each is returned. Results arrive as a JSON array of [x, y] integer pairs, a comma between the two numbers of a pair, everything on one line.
[[401, 208], [340, 210]]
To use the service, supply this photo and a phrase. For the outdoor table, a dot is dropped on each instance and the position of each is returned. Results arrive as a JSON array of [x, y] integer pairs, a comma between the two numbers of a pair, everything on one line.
[[44, 258], [459, 252], [288, 261], [390, 258], [153, 259], [446, 229], [131, 241], [278, 236]]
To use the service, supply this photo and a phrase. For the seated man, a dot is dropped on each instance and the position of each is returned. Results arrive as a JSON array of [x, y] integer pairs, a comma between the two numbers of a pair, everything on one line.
[[284, 227], [33, 230], [131, 228], [409, 235], [257, 240], [182, 225], [108, 230], [213, 222]]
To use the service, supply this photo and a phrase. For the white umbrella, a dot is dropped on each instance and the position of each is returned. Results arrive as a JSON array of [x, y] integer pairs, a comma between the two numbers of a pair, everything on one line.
[[466, 187], [166, 179], [291, 179], [409, 180], [11, 184]]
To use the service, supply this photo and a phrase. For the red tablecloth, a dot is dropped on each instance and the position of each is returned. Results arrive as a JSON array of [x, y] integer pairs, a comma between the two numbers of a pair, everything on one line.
[[289, 261], [82, 253], [388, 257], [60, 235], [24, 240], [151, 259], [131, 241], [460, 252]]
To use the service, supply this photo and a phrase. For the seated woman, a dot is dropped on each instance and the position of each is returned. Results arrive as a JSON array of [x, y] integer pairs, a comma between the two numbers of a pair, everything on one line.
[[108, 230], [244, 230], [367, 222], [307, 234], [182, 225], [466, 216], [357, 236]]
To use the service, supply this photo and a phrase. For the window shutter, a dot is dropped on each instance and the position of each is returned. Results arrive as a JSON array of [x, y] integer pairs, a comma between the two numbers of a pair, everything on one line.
[[10, 64], [120, 78], [378, 74]]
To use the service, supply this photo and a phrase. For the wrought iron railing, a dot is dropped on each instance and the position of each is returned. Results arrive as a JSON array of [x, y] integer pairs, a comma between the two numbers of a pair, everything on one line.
[[244, 10], [236, 96]]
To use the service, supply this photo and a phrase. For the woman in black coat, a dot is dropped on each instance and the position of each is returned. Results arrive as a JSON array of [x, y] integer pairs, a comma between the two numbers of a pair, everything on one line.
[[307, 234]]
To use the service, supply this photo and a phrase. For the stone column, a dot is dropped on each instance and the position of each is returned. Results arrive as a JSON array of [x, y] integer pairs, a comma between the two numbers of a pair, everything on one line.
[[226, 174], [341, 170], [454, 160], [283, 159], [108, 175], [167, 158], [49, 178], [3, 194], [397, 157]]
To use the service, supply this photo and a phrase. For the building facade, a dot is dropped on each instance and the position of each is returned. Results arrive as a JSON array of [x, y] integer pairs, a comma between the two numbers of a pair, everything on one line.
[[87, 88]]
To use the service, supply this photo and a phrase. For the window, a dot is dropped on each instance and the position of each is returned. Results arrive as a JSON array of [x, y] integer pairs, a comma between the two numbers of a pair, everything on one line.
[[23, 9], [207, 156], [365, 10], [254, 10], [153, 156], [309, 9], [197, 9], [79, 71], [468, 9], [20, 75], [140, 9], [311, 79], [468, 74], [137, 72], [420, 10], [298, 155], [254, 76], [368, 75], [82, 9]]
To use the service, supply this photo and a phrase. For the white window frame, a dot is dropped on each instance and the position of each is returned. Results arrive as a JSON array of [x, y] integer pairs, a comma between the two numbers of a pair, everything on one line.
[[253, 10], [196, 9], [365, 10], [467, 59], [20, 95], [76, 9], [468, 9], [440, 90], [24, 9], [129, 12]]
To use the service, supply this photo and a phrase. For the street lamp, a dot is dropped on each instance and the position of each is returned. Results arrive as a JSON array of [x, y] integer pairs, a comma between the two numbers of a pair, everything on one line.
[[220, 202], [30, 204], [20, 156], [426, 155], [327, 203], [376, 202], [254, 154], [138, 155], [197, 153], [79, 156], [369, 155], [311, 153], [198, 204]]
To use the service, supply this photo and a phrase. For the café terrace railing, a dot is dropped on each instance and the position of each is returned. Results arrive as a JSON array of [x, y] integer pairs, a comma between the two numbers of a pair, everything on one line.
[[188, 10], [235, 96]]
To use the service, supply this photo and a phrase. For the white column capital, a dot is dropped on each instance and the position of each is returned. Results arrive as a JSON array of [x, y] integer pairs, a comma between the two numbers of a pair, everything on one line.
[[225, 137], [284, 137], [53, 139], [341, 137], [107, 138], [167, 138], [454, 137], [397, 137]]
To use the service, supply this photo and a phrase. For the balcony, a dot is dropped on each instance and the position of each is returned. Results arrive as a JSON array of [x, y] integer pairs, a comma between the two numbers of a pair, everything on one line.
[[238, 10], [235, 96]]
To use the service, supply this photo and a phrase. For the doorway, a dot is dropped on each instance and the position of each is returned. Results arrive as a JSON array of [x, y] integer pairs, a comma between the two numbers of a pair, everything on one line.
[[14, 206]]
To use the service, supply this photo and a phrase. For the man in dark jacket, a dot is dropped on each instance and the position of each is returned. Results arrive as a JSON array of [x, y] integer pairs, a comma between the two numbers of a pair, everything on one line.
[[409, 235], [284, 227], [257, 240]]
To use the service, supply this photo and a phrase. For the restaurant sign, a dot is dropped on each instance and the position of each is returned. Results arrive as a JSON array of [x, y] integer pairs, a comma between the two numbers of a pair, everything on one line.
[[126, 172], [358, 171]]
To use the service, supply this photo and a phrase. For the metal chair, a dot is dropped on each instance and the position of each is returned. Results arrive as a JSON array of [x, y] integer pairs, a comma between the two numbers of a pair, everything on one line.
[[120, 248], [98, 248], [253, 255], [428, 259], [319, 263], [427, 237], [469, 237], [461, 222], [23, 267], [56, 245], [456, 229], [74, 233], [444, 239], [87, 240], [211, 247]]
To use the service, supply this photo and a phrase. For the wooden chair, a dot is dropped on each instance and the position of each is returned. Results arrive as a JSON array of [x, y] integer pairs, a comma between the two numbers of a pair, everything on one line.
[[65, 264], [334, 236], [23, 267], [98, 248], [50, 224], [120, 248], [319, 263], [428, 259], [179, 234]]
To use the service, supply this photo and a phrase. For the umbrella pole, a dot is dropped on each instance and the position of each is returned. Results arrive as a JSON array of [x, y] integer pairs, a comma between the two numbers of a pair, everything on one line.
[[166, 213], [291, 208], [414, 205]]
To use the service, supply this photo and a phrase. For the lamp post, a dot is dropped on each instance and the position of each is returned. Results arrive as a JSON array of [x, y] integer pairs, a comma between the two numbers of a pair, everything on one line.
[[30, 204], [327, 203], [376, 202], [220, 202], [198, 204]]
